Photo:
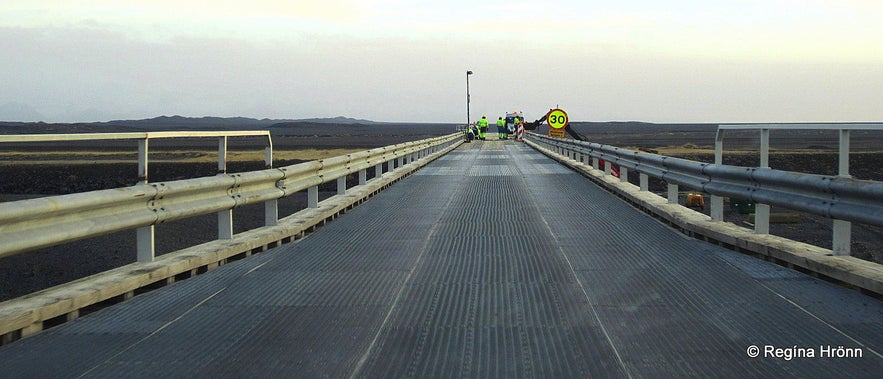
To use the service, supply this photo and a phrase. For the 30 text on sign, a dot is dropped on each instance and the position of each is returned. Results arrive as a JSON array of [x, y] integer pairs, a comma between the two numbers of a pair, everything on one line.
[[557, 119]]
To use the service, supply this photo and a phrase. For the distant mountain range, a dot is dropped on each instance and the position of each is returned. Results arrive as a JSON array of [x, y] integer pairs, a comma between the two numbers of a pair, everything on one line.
[[207, 120], [225, 122], [172, 123]]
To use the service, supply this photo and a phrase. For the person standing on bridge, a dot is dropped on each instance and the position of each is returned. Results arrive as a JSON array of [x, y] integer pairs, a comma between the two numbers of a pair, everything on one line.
[[482, 128], [501, 128]]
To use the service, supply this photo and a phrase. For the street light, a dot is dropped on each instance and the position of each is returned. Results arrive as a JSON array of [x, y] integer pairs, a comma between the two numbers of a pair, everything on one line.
[[467, 98]]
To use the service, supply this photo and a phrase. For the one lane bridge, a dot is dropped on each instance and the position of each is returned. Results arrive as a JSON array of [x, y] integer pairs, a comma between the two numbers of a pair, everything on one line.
[[492, 261]]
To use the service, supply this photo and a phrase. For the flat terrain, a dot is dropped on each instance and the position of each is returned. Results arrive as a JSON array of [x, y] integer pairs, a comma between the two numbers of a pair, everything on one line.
[[33, 169]]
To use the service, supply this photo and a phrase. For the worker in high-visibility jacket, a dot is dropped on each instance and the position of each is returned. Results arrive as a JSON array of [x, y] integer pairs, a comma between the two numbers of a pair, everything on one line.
[[501, 128], [482, 127]]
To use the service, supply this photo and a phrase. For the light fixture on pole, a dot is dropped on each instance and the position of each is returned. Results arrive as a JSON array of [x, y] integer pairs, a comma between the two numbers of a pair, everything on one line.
[[467, 98]]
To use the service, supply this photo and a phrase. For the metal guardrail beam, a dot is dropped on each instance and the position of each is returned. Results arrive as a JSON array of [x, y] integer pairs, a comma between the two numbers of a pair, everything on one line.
[[801, 126], [36, 223], [143, 139], [842, 228], [837, 197], [145, 234]]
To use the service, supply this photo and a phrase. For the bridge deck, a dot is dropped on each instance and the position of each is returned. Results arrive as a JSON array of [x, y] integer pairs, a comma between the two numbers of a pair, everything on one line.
[[492, 261]]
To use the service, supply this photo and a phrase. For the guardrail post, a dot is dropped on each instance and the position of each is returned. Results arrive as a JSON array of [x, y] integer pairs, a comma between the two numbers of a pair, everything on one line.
[[313, 197], [842, 238], [623, 174], [144, 236], [225, 218], [761, 218], [843, 165], [341, 185], [378, 170], [222, 155], [762, 211], [225, 225], [271, 207], [142, 160], [363, 177], [717, 202], [595, 163], [717, 208], [765, 148], [271, 212], [644, 181], [672, 193], [608, 167], [145, 245]]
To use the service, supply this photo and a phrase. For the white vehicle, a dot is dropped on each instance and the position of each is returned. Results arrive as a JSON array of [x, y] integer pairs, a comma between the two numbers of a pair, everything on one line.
[[510, 120]]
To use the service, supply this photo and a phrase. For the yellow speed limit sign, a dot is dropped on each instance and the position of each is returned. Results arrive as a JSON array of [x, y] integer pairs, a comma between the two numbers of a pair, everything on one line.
[[557, 119]]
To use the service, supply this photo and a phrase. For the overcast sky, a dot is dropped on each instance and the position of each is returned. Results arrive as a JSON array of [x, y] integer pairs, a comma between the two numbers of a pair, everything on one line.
[[406, 60]]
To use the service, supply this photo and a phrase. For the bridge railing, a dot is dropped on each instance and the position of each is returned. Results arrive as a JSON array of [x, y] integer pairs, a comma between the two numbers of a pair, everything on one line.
[[836, 197], [32, 224], [144, 138]]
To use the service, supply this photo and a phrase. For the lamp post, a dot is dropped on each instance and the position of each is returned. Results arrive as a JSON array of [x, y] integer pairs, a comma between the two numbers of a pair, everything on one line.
[[467, 98]]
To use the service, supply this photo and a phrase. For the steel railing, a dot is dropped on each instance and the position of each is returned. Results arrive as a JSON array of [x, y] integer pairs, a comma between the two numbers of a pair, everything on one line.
[[144, 138], [836, 197], [32, 224]]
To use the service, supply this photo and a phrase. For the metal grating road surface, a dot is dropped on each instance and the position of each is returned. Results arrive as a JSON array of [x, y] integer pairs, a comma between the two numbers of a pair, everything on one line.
[[491, 262]]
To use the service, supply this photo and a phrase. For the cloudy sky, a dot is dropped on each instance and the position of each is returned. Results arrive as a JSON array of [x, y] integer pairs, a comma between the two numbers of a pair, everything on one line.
[[405, 60]]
